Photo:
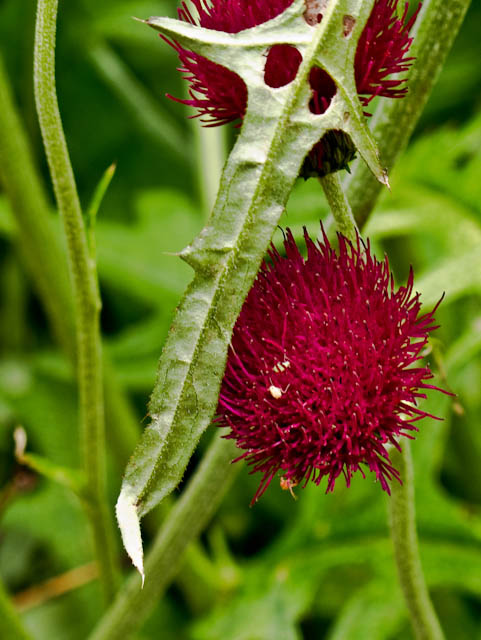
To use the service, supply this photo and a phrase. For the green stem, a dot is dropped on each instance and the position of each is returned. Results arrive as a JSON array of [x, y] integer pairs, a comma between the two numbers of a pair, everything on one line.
[[39, 243], [36, 233], [211, 155], [86, 299], [11, 627], [189, 516], [406, 550], [395, 120], [339, 206]]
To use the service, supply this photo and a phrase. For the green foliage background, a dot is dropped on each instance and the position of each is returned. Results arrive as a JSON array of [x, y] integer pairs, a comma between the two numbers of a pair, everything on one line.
[[320, 567]]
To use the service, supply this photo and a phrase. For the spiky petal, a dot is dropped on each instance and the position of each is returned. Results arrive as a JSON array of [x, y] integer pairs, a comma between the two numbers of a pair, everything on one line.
[[321, 371], [382, 51]]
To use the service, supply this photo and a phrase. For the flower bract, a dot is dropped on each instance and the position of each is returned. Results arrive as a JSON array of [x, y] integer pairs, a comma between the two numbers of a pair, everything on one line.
[[220, 96], [323, 370]]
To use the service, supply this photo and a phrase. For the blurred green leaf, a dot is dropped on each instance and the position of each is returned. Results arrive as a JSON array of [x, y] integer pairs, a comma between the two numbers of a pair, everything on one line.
[[465, 348], [152, 117], [457, 277], [7, 223], [419, 210], [139, 259], [115, 22], [52, 520], [373, 612], [71, 479]]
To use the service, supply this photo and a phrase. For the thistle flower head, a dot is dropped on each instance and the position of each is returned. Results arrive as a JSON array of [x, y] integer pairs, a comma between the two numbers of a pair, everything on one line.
[[321, 371], [220, 96], [216, 92]]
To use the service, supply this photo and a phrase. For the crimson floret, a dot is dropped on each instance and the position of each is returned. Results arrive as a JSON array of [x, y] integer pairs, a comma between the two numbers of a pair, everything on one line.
[[321, 371], [220, 95]]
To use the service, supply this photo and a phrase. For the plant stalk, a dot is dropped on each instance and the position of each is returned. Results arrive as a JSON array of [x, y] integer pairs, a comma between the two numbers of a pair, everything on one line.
[[188, 517], [394, 120], [339, 205], [39, 242], [86, 299], [406, 550], [210, 156], [37, 236]]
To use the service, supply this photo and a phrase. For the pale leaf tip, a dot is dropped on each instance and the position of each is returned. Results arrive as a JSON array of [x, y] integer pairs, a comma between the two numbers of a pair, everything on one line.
[[385, 179], [151, 21], [129, 524]]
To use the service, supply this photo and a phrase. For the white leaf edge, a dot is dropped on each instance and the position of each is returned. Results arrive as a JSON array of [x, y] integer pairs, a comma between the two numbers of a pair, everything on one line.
[[129, 524]]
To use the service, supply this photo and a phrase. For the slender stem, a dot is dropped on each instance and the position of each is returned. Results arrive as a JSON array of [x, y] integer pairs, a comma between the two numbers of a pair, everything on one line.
[[40, 245], [406, 550], [341, 211], [395, 120], [188, 518], [211, 155], [11, 627], [37, 235], [86, 299]]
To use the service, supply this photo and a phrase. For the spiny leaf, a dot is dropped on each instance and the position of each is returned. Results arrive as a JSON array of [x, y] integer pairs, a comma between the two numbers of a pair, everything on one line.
[[277, 133]]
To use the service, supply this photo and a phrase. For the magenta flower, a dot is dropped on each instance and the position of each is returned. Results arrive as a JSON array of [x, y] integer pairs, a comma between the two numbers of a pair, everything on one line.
[[320, 374], [220, 95]]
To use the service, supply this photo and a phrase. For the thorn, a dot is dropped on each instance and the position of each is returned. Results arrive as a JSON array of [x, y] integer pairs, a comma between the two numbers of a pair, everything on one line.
[[385, 179], [188, 255]]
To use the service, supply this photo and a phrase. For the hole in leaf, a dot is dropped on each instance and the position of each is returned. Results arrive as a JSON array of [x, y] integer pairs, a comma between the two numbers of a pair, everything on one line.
[[282, 65], [348, 23], [313, 12], [323, 90]]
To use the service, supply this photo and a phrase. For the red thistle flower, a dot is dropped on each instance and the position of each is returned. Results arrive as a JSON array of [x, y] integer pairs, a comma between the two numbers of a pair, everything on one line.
[[320, 374], [220, 96]]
